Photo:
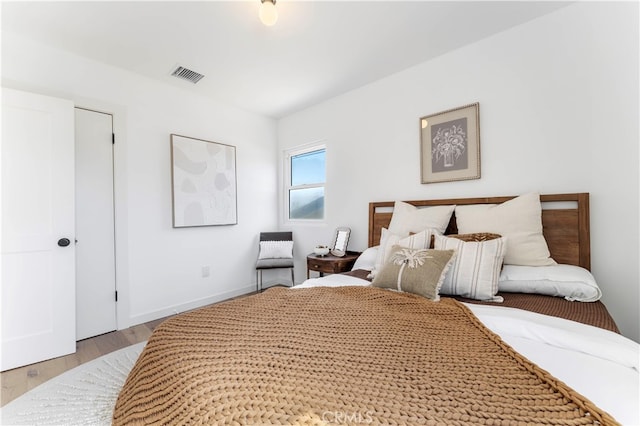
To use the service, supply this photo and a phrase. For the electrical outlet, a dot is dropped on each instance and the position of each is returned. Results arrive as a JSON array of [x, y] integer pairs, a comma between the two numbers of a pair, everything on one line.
[[205, 271]]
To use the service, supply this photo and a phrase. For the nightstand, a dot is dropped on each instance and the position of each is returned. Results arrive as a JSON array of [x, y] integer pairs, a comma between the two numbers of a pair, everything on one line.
[[330, 264]]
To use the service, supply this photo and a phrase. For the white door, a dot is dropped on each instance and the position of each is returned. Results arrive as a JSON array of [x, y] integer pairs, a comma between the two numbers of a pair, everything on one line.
[[95, 251], [38, 266]]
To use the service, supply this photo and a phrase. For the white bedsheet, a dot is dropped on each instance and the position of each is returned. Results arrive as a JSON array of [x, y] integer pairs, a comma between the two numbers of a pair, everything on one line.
[[336, 280], [601, 365]]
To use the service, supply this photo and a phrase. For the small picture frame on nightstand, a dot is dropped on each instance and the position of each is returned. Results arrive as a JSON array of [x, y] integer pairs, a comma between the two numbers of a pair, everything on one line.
[[340, 242]]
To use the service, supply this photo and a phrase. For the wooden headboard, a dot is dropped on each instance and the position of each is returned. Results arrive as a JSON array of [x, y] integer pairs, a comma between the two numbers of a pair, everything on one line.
[[565, 223]]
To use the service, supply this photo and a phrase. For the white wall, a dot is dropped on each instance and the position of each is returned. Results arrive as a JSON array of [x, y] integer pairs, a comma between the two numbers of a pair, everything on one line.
[[558, 113], [158, 267]]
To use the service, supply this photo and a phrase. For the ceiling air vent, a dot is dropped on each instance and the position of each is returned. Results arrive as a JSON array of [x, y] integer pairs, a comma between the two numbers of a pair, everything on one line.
[[187, 74]]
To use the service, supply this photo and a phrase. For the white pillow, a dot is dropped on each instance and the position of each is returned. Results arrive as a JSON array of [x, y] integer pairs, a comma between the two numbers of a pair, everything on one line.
[[367, 260], [476, 267], [519, 220], [571, 282], [421, 240], [407, 218], [276, 250]]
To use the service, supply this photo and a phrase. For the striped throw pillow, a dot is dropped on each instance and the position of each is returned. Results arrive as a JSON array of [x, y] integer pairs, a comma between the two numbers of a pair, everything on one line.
[[476, 267]]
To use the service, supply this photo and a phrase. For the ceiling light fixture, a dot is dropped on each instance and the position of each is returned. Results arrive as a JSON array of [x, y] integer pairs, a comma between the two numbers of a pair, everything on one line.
[[268, 13]]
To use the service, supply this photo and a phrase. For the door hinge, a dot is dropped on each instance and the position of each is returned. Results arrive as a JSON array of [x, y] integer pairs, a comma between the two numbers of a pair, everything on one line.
[[113, 138], [116, 295]]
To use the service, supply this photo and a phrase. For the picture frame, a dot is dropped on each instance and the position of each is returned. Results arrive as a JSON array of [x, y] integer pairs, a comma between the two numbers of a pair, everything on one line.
[[450, 145], [340, 241], [203, 182]]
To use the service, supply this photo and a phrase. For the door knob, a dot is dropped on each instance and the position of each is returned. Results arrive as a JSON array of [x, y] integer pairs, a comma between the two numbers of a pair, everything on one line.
[[63, 242]]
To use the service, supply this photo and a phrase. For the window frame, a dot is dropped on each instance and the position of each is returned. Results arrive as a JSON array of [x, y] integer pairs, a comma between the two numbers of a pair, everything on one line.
[[288, 155]]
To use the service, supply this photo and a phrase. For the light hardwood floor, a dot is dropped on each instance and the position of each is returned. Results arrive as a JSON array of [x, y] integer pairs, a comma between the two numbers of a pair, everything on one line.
[[20, 380]]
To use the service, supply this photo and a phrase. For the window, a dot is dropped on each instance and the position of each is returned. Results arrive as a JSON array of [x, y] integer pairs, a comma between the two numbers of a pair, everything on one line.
[[304, 185]]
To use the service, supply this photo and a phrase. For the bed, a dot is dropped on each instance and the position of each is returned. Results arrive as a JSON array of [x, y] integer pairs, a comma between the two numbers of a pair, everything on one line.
[[344, 350]]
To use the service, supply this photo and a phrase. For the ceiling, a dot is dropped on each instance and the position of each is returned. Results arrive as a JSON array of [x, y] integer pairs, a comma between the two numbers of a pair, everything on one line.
[[317, 49]]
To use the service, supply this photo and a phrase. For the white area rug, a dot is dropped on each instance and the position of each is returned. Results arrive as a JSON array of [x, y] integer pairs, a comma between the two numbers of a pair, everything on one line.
[[85, 395]]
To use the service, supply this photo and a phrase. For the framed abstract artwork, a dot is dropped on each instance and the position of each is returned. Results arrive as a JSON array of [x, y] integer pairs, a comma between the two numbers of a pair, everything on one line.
[[203, 175], [450, 145]]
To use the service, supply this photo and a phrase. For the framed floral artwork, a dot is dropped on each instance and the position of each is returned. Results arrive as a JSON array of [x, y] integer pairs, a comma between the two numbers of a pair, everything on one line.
[[450, 145]]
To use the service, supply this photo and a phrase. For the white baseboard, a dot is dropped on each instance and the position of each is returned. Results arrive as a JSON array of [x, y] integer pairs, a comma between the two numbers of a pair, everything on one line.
[[194, 304], [183, 307]]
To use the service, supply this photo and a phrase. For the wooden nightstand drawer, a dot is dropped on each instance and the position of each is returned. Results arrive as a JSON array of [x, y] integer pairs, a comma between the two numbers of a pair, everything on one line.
[[330, 264], [327, 267]]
